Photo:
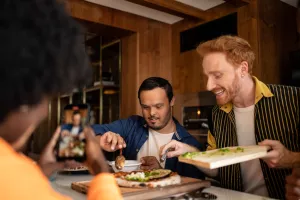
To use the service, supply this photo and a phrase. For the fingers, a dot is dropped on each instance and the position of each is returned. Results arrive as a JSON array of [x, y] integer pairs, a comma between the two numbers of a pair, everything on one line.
[[89, 133], [293, 180], [296, 173], [178, 148], [54, 138], [175, 153], [114, 141], [288, 197], [162, 150], [272, 155], [172, 144], [292, 190], [121, 142], [272, 143]]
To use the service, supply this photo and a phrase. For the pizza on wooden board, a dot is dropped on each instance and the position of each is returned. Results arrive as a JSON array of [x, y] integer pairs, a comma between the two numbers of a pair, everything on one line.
[[148, 178], [224, 156]]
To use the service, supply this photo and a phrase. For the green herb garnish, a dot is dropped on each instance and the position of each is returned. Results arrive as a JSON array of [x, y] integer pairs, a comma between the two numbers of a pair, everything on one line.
[[224, 150], [190, 155], [239, 149]]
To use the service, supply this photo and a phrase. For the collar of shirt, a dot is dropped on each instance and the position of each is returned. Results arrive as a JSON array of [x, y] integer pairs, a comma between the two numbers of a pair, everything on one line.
[[261, 90], [179, 133]]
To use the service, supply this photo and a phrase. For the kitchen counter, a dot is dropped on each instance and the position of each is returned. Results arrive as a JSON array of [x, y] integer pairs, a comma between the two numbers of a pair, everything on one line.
[[62, 184]]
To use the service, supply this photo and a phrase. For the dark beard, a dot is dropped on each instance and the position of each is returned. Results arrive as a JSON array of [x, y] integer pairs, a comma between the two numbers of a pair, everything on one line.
[[164, 124]]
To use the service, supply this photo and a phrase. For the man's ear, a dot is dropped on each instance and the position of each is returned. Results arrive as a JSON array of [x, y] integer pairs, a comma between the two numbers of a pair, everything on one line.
[[244, 68], [172, 102]]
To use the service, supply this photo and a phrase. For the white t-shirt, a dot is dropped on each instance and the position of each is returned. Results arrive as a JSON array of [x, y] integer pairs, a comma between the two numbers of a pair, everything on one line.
[[152, 146], [75, 130], [253, 178]]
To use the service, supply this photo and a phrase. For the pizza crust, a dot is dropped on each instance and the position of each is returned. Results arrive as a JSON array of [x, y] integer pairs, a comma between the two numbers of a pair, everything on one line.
[[80, 168], [173, 179]]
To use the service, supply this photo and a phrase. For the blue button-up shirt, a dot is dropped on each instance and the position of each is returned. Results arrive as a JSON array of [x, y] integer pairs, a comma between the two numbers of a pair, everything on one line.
[[135, 132]]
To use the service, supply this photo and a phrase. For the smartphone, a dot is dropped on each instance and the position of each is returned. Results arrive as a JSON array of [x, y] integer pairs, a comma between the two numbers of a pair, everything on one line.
[[71, 143]]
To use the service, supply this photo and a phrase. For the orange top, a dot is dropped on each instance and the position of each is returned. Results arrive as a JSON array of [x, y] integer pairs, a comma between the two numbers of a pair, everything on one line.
[[20, 178]]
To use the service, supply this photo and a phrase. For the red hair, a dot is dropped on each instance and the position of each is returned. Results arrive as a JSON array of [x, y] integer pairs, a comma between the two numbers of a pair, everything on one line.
[[235, 48]]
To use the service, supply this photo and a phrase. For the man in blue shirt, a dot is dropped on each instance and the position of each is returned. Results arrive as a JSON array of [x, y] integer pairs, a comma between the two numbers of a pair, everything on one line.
[[74, 129], [144, 136]]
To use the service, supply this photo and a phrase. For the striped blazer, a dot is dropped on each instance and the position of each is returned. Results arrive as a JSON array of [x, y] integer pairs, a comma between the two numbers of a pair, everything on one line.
[[276, 118]]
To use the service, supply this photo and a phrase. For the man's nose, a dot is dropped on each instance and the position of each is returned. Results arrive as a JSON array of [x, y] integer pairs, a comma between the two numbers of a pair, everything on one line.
[[210, 85], [152, 111]]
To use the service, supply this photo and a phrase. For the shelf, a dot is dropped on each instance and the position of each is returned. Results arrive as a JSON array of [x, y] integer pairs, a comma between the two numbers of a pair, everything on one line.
[[95, 64], [104, 98], [110, 44], [90, 89], [97, 87], [65, 95]]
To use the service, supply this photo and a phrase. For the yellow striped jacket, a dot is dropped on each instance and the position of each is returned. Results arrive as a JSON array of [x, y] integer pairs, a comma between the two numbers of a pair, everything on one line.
[[276, 118]]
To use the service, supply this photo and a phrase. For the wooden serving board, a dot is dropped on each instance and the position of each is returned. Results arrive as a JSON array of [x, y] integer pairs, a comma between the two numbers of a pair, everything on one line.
[[217, 158], [187, 185]]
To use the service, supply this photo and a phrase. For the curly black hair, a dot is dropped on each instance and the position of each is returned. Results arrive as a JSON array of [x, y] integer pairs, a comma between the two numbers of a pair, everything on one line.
[[41, 53]]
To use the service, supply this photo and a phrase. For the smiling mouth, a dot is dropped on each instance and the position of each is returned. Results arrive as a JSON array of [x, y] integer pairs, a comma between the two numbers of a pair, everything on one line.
[[153, 120], [219, 93]]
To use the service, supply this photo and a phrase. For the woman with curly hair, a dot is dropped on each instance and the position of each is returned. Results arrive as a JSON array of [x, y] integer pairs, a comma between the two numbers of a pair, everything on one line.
[[41, 55]]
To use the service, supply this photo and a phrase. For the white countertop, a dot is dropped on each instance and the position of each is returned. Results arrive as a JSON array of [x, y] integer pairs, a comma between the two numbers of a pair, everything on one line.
[[62, 184]]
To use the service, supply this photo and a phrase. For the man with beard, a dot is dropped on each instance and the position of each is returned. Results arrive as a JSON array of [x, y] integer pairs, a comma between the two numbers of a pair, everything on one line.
[[145, 135], [249, 112]]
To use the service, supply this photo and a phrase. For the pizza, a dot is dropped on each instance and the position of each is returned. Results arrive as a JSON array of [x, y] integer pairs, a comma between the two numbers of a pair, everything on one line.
[[148, 178], [79, 168], [218, 152], [224, 156]]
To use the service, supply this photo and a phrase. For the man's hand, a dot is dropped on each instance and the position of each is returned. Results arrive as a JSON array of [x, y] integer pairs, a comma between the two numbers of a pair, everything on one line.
[[95, 158], [279, 156], [178, 148], [149, 163], [65, 133], [111, 142], [47, 161], [293, 185]]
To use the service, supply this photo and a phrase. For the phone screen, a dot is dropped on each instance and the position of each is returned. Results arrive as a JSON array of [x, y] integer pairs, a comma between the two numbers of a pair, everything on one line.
[[71, 145]]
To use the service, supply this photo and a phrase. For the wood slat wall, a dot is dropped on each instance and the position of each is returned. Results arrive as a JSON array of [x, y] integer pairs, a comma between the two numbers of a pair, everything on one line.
[[146, 53], [269, 26]]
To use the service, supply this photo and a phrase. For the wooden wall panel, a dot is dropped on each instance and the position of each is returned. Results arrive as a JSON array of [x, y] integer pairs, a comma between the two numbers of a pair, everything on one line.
[[129, 75], [277, 29], [147, 53], [187, 72], [249, 30], [270, 28]]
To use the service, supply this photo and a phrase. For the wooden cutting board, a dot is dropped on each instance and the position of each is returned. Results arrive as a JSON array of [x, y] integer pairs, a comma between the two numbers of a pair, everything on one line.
[[225, 156], [188, 184]]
